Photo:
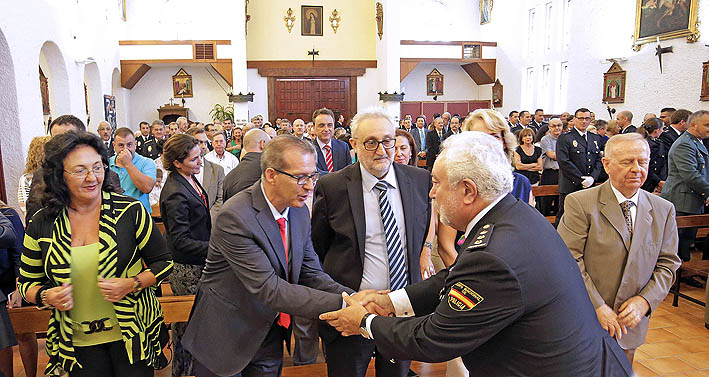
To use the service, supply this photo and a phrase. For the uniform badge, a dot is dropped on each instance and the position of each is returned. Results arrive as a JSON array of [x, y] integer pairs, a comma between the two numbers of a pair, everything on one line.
[[462, 299], [150, 148], [575, 143], [481, 239]]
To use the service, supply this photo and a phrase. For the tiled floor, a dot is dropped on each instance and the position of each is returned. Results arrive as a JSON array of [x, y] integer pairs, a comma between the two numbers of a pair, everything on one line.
[[677, 344]]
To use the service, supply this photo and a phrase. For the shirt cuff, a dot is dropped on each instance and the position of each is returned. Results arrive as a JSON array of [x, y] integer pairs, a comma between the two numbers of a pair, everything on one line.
[[401, 302], [368, 325]]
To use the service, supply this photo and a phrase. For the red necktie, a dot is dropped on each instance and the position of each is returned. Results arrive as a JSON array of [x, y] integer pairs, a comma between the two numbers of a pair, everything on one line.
[[283, 318], [328, 158]]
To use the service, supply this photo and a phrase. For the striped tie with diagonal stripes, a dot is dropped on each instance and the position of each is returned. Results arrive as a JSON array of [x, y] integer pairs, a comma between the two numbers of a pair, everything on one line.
[[328, 158], [395, 253]]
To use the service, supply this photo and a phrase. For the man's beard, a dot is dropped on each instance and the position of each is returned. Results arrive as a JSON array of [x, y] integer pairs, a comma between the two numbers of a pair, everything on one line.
[[444, 211]]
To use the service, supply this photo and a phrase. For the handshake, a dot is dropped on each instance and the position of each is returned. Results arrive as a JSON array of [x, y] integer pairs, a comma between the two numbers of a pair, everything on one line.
[[347, 320]]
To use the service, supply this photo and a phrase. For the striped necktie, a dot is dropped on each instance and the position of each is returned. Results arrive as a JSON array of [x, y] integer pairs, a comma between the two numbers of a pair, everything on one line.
[[328, 158], [395, 253]]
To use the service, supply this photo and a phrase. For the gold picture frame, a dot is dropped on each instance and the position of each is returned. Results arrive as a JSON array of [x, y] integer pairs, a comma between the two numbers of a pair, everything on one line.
[[614, 85], [704, 96], [434, 83], [182, 84], [656, 19], [485, 11]]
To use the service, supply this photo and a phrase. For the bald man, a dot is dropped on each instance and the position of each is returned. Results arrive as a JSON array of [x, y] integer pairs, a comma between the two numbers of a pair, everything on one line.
[[249, 169]]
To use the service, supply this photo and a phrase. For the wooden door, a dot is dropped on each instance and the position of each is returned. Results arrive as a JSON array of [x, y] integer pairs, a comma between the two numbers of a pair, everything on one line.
[[299, 97]]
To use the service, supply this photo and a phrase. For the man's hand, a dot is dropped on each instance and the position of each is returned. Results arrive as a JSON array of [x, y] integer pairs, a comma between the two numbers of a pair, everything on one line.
[[587, 181], [609, 321], [632, 311], [346, 320], [124, 158], [376, 302], [422, 154], [114, 289]]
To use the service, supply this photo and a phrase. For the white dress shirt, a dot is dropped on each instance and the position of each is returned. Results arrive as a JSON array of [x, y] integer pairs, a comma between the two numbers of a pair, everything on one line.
[[621, 198], [277, 215], [376, 261], [228, 161]]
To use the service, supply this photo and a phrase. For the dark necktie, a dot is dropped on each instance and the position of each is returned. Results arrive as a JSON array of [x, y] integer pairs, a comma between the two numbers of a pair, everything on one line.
[[626, 206], [283, 318], [395, 253]]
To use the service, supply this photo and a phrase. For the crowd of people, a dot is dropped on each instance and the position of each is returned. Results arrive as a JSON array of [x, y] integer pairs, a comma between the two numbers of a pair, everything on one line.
[[329, 228]]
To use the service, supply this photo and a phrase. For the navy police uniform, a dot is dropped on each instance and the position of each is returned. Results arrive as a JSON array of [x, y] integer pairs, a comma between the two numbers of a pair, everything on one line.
[[577, 157], [513, 304]]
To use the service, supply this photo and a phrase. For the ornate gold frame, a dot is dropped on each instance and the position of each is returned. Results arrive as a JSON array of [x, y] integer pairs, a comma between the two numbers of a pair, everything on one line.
[[289, 19], [489, 12], [692, 32], [335, 21]]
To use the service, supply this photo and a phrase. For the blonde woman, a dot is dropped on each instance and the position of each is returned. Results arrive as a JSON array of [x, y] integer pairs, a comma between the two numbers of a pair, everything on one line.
[[35, 155]]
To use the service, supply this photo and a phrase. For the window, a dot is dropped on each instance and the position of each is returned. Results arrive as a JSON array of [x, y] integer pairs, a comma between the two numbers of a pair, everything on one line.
[[563, 86], [544, 100], [529, 89], [547, 27], [531, 32], [566, 32]]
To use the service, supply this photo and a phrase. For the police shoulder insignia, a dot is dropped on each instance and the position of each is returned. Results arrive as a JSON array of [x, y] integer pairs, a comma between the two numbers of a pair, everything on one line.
[[575, 143], [482, 237], [461, 298]]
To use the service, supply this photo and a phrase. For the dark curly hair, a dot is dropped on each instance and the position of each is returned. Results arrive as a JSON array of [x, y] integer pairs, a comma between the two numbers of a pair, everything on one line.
[[56, 192]]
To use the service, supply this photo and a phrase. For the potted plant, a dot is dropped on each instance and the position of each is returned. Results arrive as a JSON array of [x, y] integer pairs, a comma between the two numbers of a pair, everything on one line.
[[220, 112]]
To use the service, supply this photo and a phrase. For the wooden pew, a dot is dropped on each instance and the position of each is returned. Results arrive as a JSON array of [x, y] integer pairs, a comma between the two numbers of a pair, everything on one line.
[[30, 320], [695, 267], [546, 190]]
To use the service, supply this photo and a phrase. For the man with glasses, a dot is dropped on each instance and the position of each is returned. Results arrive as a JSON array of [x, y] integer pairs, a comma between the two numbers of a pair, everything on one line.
[[333, 154], [261, 270], [369, 224], [579, 156], [136, 173]]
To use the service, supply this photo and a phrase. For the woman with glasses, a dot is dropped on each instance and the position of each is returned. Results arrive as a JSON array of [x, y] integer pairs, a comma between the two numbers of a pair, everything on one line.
[[184, 207], [94, 257]]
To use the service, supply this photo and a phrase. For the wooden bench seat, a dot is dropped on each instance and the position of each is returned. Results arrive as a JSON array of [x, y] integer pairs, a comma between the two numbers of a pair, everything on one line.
[[694, 267]]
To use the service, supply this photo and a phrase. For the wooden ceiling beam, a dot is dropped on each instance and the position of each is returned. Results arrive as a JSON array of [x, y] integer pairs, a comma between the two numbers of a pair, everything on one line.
[[481, 72], [225, 71], [131, 73], [405, 69]]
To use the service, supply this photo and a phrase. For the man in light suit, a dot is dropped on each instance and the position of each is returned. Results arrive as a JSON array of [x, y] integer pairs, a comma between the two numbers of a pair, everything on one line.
[[333, 154], [260, 269], [687, 184], [211, 176], [624, 240], [369, 224]]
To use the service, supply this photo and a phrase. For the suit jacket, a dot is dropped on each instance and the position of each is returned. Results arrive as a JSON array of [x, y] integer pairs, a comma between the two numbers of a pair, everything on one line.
[[614, 266], [657, 171], [668, 137], [577, 158], [213, 183], [417, 138], [187, 220], [433, 147], [687, 184], [449, 134], [513, 304], [243, 176], [340, 156], [140, 141], [629, 130], [244, 284], [109, 148], [339, 226]]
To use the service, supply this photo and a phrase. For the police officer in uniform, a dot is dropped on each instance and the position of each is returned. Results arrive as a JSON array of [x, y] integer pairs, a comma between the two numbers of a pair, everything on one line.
[[513, 303], [579, 155]]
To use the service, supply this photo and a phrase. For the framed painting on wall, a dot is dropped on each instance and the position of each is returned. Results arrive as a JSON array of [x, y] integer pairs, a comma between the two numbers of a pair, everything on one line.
[[614, 85], [182, 84], [109, 106], [485, 10], [705, 82], [311, 20], [434, 83], [497, 94], [665, 19]]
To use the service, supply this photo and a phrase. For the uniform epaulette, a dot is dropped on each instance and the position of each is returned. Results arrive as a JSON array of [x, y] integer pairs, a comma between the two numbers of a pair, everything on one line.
[[482, 237]]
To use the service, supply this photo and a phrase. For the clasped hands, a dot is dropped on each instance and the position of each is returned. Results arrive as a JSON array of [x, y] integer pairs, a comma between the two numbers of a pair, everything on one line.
[[112, 290], [347, 320], [630, 314]]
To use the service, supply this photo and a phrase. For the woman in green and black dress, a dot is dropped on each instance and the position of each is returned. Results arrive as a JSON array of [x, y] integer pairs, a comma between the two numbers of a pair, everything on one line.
[[94, 258]]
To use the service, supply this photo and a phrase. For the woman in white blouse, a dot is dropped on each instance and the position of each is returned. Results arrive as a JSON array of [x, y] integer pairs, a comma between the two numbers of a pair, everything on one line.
[[35, 155]]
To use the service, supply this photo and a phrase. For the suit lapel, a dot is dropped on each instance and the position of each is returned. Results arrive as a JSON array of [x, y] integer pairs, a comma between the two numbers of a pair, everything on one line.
[[322, 165], [356, 198], [407, 201], [189, 187], [643, 219], [612, 212], [296, 244], [265, 219]]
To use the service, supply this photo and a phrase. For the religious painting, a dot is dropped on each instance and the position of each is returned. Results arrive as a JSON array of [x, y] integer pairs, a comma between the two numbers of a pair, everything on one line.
[[614, 85], [109, 107], [182, 84], [485, 10], [434, 83], [311, 20], [705, 82], [497, 94], [472, 51], [665, 19], [44, 90]]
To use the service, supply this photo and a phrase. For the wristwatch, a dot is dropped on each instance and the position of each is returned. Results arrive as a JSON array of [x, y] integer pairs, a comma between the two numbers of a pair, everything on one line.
[[137, 284], [363, 326], [428, 245]]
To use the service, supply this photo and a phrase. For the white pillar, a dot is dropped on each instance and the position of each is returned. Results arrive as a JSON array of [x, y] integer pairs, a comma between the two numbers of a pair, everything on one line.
[[388, 55], [238, 62]]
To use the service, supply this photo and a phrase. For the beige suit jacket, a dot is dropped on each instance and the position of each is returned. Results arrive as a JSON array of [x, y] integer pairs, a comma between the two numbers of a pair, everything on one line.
[[614, 266]]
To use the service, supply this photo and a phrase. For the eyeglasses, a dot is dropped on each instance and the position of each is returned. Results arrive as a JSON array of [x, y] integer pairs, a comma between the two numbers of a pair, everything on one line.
[[373, 145], [302, 179], [82, 173], [585, 119]]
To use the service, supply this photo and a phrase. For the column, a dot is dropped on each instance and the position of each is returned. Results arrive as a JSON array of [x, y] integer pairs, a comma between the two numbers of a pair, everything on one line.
[[388, 56], [238, 62]]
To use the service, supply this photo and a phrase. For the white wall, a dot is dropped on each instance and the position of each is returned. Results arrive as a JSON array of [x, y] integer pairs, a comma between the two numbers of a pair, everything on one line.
[[180, 19], [155, 89], [441, 20], [457, 85], [259, 86]]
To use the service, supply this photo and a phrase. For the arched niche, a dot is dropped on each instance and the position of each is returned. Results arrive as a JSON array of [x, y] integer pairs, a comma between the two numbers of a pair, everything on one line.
[[51, 62], [94, 95], [119, 93], [12, 159]]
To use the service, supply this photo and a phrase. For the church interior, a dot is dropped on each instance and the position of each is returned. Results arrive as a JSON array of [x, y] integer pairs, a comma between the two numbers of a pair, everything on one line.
[[126, 61]]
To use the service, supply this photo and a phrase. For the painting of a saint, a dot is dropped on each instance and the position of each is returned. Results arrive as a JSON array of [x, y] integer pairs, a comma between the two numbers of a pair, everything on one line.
[[665, 19], [614, 85], [485, 8], [434, 83], [182, 84], [311, 20]]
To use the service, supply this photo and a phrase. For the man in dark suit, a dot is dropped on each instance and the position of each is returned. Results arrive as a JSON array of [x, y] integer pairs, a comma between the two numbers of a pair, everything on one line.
[[513, 119], [687, 184], [333, 154], [678, 124], [538, 121], [579, 156], [211, 176], [454, 128], [419, 134], [525, 121], [141, 139], [433, 142], [624, 119], [369, 225], [505, 305], [105, 131], [249, 169], [152, 148], [261, 268]]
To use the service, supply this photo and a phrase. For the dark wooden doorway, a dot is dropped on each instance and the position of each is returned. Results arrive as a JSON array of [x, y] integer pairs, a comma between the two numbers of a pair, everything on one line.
[[298, 97]]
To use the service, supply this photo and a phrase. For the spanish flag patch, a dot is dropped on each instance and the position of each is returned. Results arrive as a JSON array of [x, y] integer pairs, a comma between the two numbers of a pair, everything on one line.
[[461, 298]]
